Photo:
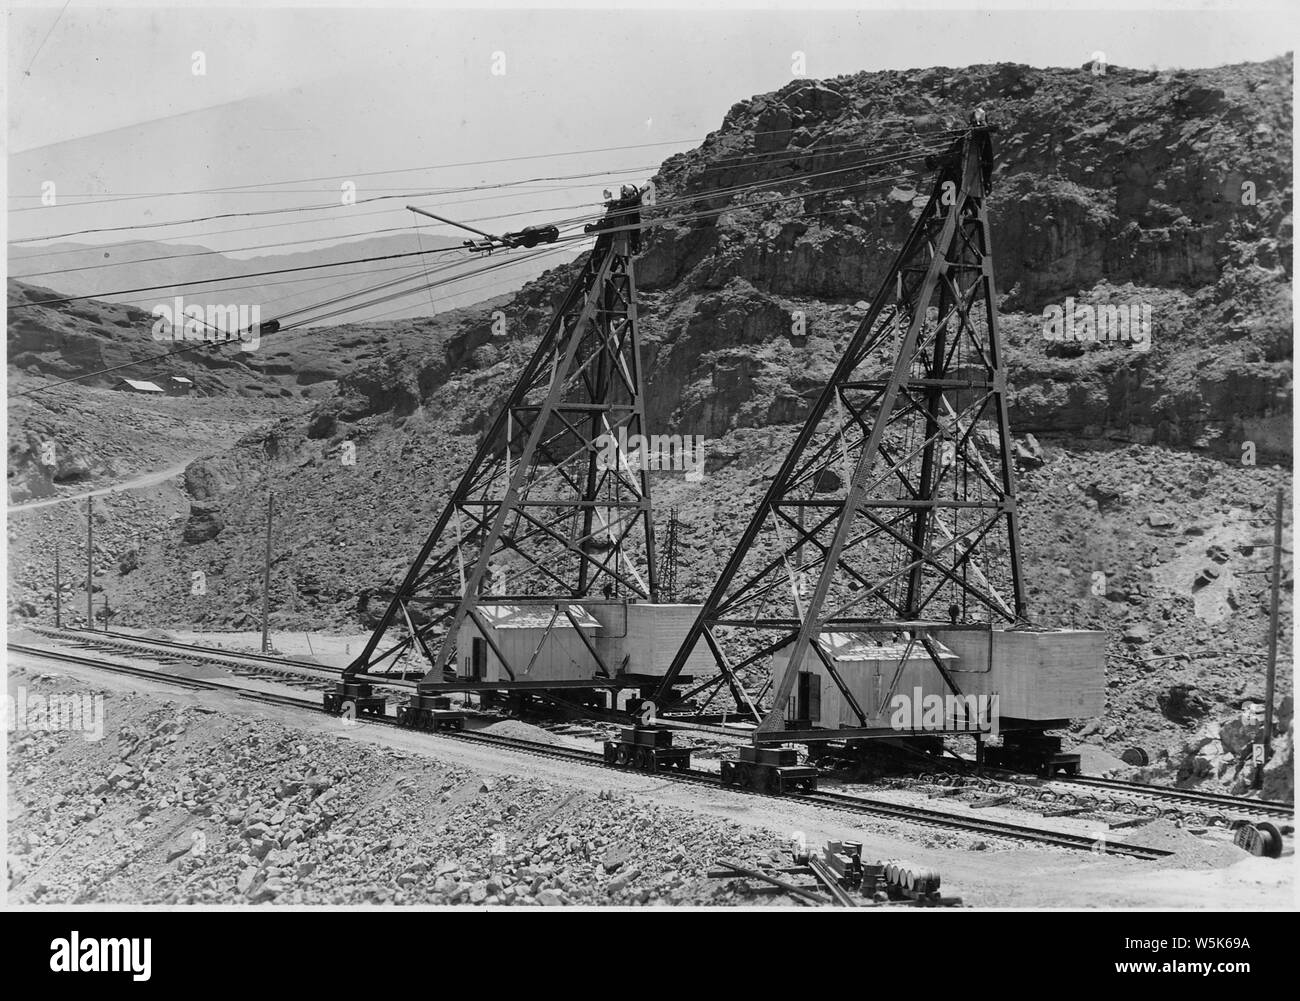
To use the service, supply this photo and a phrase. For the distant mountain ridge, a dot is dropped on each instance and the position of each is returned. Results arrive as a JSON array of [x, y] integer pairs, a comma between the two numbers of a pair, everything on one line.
[[77, 269]]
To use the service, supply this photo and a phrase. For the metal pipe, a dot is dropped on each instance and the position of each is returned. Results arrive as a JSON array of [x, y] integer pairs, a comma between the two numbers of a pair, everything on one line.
[[790, 888], [451, 222], [827, 876]]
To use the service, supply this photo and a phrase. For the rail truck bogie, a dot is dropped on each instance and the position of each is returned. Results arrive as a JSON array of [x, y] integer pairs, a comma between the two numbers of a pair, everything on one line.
[[774, 770], [647, 748], [430, 712], [358, 695]]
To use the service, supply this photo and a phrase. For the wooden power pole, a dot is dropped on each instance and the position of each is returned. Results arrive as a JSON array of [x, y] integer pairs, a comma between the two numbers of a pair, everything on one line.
[[90, 562], [58, 588], [266, 577], [1272, 633]]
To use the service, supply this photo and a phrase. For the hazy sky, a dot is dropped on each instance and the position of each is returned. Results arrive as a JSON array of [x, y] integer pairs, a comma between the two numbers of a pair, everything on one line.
[[105, 101]]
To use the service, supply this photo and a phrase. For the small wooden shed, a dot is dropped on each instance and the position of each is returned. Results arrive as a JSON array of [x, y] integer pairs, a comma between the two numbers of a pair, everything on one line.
[[138, 386]]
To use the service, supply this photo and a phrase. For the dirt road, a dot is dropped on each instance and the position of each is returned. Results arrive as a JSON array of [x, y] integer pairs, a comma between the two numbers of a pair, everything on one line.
[[135, 483]]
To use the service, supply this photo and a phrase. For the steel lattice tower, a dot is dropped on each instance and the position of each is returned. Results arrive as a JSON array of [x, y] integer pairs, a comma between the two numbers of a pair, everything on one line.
[[538, 518], [895, 509]]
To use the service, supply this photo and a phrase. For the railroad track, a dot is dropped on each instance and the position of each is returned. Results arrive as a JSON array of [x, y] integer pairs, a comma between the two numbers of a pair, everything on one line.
[[253, 665], [149, 674], [101, 637], [1122, 796], [1207, 807], [1192, 797], [842, 802], [170, 651], [833, 801]]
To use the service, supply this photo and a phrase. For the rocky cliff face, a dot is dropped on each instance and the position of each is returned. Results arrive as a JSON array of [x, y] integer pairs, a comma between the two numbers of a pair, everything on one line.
[[1127, 176], [1166, 190], [1170, 191]]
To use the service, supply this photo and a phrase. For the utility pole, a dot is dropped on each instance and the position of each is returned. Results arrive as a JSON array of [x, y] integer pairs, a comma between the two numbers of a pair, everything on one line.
[[58, 592], [90, 562], [1272, 635], [266, 577]]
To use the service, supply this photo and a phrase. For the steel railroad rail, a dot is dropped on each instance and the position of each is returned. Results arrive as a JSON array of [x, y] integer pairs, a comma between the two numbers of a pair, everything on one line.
[[289, 671], [1128, 793], [1196, 797]]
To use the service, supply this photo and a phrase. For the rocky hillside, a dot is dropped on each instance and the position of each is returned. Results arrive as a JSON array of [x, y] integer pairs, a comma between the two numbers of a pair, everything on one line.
[[68, 438], [80, 340], [1166, 189], [1170, 189], [1115, 188], [51, 341]]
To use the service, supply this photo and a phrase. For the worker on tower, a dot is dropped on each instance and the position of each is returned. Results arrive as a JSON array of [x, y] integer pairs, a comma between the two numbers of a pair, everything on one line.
[[621, 213], [630, 203], [979, 120]]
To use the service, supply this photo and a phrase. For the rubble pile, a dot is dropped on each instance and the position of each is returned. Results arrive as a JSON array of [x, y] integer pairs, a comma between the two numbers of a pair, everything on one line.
[[178, 806], [1221, 754]]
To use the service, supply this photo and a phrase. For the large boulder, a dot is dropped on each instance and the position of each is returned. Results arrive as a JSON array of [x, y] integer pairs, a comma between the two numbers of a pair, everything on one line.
[[1182, 703], [206, 479], [1279, 773], [1239, 733], [204, 524]]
